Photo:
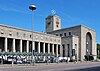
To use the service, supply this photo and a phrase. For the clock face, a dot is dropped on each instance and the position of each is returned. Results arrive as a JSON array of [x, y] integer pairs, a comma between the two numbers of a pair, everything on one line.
[[57, 24]]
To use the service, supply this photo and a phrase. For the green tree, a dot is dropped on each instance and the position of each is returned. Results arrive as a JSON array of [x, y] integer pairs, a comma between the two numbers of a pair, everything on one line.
[[98, 49], [98, 46]]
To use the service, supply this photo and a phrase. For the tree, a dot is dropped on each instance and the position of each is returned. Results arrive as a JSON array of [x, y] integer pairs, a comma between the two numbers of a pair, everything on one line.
[[98, 46], [98, 51]]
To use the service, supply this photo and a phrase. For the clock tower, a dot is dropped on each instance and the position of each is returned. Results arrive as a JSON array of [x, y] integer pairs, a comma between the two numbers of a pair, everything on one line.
[[53, 22]]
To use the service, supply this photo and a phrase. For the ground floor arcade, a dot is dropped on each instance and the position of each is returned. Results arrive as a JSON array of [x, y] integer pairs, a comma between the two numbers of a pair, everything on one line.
[[20, 45]]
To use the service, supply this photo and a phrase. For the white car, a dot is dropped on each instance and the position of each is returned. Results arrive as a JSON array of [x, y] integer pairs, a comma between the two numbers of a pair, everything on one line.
[[19, 61], [64, 59]]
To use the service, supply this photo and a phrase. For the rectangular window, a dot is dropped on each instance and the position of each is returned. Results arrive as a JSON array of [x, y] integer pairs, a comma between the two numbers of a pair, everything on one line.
[[60, 34], [59, 49], [17, 34], [64, 34], [68, 50], [30, 36], [56, 34], [73, 52], [69, 33], [10, 33], [2, 32], [24, 35], [75, 48], [63, 50]]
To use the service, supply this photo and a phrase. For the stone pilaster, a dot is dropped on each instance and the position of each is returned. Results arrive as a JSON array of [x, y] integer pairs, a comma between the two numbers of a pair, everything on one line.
[[14, 45], [48, 48], [53, 49], [20, 45], [27, 48], [44, 48], [5, 45], [38, 47], [57, 50]]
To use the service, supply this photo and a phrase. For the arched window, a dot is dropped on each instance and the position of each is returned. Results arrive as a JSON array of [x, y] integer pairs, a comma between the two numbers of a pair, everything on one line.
[[88, 43]]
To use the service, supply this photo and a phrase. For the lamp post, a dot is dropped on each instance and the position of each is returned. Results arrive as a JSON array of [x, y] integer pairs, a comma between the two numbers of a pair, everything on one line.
[[32, 7]]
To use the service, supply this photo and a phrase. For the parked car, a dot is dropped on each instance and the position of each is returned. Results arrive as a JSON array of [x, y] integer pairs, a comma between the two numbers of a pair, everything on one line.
[[63, 59], [9, 60], [19, 61]]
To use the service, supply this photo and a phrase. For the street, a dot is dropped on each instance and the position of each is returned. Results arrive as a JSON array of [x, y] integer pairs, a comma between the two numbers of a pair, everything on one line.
[[87, 69], [87, 66]]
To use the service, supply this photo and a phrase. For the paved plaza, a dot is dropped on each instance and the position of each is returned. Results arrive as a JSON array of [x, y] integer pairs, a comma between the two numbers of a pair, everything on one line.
[[84, 66]]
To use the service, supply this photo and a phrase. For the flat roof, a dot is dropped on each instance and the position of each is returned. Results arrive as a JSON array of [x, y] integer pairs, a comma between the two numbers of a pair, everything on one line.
[[43, 33], [74, 27]]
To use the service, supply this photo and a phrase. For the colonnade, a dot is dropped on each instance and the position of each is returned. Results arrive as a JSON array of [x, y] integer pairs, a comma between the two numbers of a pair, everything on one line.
[[26, 46]]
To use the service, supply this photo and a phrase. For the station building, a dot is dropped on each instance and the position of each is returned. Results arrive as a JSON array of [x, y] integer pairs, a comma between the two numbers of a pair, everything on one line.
[[76, 41]]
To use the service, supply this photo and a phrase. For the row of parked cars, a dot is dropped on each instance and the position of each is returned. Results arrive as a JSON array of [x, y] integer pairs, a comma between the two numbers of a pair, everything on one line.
[[15, 60], [37, 60]]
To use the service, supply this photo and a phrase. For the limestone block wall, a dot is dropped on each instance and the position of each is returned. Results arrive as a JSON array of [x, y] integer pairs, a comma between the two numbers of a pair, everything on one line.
[[65, 42], [10, 32], [75, 30], [11, 37], [81, 32], [75, 45], [71, 41], [84, 31]]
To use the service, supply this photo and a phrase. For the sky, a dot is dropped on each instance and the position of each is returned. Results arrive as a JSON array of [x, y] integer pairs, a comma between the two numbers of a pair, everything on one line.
[[16, 13]]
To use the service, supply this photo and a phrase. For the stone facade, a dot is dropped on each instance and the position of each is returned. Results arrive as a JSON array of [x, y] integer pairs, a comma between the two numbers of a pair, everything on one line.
[[73, 42], [19, 40], [80, 31]]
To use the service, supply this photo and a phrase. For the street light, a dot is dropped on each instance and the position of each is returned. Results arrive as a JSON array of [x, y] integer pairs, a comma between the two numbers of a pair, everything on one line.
[[32, 7]]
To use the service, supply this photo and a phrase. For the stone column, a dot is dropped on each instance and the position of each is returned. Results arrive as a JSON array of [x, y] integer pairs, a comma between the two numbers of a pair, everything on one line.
[[57, 50], [61, 50], [44, 51], [53, 49], [5, 44], [14, 45], [33, 45], [21, 45], [48, 48], [38, 47], [44, 48], [27, 48], [5, 50]]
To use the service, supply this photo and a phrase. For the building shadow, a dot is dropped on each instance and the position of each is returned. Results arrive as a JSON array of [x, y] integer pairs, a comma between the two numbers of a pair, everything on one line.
[[86, 69]]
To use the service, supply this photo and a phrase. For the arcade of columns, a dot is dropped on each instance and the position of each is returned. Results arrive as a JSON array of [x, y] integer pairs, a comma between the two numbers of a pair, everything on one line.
[[24, 46]]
